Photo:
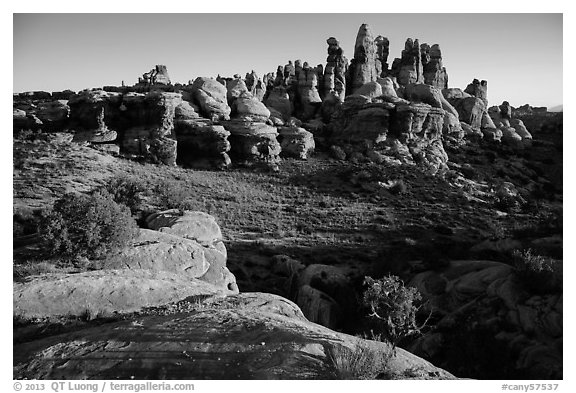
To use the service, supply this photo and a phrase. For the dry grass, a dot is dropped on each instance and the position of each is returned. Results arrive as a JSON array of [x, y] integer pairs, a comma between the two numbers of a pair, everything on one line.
[[361, 362]]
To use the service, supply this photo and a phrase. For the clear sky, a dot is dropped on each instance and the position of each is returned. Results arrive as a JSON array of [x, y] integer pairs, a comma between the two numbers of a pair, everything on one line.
[[520, 55]]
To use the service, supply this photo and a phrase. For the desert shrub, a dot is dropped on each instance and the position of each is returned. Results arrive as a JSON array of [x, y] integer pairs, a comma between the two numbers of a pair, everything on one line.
[[86, 226], [171, 194], [393, 306], [538, 273], [127, 190], [358, 363]]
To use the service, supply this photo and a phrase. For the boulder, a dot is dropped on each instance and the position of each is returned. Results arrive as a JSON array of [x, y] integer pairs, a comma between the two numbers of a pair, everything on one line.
[[157, 251], [296, 142], [194, 225], [211, 97], [236, 88], [249, 108], [370, 89]]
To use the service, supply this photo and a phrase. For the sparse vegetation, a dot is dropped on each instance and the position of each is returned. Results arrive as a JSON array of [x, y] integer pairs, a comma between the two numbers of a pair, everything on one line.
[[393, 305], [127, 190], [361, 362], [86, 226], [540, 274]]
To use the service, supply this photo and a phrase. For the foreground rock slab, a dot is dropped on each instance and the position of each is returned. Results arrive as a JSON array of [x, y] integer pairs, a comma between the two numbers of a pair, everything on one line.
[[103, 292], [248, 336]]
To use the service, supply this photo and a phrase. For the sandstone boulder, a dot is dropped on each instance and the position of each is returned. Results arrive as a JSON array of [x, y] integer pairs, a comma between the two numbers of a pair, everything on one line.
[[157, 251], [211, 97]]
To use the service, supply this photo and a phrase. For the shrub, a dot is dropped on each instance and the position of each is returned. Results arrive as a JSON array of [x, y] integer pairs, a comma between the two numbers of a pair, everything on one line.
[[127, 190], [538, 273], [86, 226], [393, 306], [358, 363]]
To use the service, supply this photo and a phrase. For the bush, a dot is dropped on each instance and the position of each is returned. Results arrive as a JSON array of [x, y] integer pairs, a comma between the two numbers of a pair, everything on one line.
[[127, 191], [393, 306], [358, 363], [538, 273], [86, 226], [171, 194]]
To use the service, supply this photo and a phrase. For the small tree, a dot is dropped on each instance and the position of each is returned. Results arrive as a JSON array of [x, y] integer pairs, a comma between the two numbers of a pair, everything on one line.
[[393, 305], [86, 226]]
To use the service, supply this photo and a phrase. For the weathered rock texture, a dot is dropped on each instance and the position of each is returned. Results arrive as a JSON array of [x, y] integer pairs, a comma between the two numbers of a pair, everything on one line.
[[249, 336], [410, 131], [102, 293], [408, 68], [363, 66], [434, 72], [335, 71], [296, 142]]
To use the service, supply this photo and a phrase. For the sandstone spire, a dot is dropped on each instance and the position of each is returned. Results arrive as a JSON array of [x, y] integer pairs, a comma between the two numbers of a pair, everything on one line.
[[363, 66]]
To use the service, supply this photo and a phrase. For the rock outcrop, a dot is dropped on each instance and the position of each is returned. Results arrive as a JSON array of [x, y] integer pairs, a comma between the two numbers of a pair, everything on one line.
[[248, 336], [434, 72], [252, 140], [151, 125], [363, 66], [296, 142], [103, 293], [375, 124], [334, 80], [408, 68], [211, 97]]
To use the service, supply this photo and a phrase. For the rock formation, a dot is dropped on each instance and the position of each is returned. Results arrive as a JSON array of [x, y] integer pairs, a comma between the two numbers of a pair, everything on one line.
[[478, 89], [382, 52], [408, 68], [363, 67], [252, 139], [434, 72], [211, 98], [156, 76], [296, 142], [334, 79], [308, 98]]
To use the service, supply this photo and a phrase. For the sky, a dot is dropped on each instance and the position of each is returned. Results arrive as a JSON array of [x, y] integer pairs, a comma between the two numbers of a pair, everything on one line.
[[75, 51]]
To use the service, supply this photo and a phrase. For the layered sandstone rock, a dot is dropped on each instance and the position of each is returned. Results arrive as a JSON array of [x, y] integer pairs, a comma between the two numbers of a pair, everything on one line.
[[408, 131], [201, 143], [252, 139], [214, 341]]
